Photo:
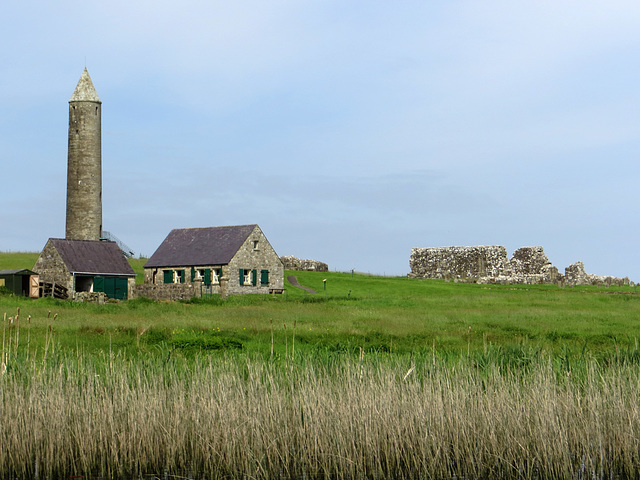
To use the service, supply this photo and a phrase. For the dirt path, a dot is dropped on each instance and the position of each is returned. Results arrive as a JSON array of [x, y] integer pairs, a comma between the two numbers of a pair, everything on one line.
[[293, 280]]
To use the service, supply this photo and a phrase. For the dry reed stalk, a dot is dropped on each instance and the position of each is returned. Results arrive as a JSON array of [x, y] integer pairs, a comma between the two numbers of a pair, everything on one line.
[[293, 340], [271, 327], [238, 416]]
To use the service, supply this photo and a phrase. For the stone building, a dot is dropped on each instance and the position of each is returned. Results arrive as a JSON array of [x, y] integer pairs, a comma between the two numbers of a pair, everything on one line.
[[85, 266], [226, 260], [83, 262]]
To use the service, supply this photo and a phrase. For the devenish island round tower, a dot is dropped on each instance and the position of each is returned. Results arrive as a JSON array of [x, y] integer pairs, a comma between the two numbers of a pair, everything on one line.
[[84, 165]]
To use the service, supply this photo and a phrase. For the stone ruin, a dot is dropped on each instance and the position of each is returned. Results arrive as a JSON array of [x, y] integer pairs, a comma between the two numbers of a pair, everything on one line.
[[575, 275], [292, 263], [490, 264]]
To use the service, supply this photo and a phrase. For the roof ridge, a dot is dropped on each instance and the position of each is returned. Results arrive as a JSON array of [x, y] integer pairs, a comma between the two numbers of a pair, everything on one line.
[[218, 226]]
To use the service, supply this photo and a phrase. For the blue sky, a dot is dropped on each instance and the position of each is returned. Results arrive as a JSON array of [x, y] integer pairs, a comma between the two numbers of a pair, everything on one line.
[[349, 131]]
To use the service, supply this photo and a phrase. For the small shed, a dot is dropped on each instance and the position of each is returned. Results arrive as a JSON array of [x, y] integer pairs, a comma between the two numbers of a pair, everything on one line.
[[85, 266], [20, 281]]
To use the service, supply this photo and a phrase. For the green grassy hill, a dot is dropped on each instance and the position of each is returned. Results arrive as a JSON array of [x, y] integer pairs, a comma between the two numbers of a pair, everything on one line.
[[18, 260], [351, 313]]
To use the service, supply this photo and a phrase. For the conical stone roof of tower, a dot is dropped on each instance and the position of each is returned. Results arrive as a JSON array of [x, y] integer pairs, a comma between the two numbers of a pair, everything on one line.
[[85, 91]]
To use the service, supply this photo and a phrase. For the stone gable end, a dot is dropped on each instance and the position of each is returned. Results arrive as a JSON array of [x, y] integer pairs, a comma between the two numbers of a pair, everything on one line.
[[256, 253], [51, 268]]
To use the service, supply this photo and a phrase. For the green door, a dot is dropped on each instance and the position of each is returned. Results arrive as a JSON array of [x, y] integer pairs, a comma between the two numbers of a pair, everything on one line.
[[121, 288], [106, 285], [113, 287], [98, 284], [110, 287]]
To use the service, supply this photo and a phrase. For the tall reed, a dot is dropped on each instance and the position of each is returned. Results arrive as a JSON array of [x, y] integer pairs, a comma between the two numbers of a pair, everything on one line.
[[322, 416]]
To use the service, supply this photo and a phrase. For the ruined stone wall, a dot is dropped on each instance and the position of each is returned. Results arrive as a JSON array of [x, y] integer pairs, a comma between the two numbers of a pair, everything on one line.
[[465, 263], [529, 265], [292, 263], [489, 265], [528, 260], [575, 274]]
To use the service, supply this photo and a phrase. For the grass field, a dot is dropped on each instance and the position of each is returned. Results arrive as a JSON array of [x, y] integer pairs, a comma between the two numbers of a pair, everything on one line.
[[355, 312], [374, 377]]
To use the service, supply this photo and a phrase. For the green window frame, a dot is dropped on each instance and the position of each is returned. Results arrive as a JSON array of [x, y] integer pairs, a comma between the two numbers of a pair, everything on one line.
[[253, 279], [167, 276], [264, 277]]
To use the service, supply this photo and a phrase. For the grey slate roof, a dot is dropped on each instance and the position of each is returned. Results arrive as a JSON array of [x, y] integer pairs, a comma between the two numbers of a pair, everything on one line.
[[93, 257], [16, 271], [200, 246]]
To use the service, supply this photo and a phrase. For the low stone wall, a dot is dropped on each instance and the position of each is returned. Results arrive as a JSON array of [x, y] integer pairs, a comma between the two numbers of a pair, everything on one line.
[[292, 263], [91, 297], [166, 292]]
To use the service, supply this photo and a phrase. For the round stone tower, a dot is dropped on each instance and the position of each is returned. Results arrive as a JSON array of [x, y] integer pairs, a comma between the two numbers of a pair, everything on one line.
[[84, 166]]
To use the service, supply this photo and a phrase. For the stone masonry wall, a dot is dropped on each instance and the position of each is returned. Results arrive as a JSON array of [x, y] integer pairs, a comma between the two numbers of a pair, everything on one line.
[[575, 275], [183, 291], [292, 263], [256, 253], [84, 171], [528, 260], [464, 263], [489, 264], [529, 265], [52, 269]]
